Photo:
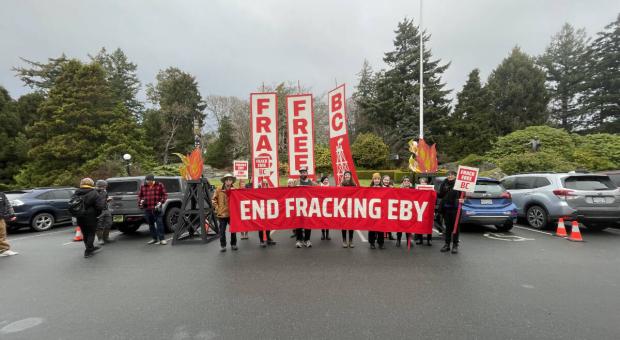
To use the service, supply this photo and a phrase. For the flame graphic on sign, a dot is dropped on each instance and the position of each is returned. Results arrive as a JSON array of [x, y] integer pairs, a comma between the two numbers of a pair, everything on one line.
[[423, 158], [192, 166]]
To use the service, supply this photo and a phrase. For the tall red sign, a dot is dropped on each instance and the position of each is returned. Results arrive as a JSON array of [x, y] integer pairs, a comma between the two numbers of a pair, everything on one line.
[[338, 135], [299, 112], [264, 127]]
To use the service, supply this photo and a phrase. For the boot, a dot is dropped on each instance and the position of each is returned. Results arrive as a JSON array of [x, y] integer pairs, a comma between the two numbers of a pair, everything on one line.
[[455, 248], [445, 248]]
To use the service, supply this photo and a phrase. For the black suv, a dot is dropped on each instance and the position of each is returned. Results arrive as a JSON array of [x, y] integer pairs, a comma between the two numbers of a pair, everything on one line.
[[126, 215], [40, 208]]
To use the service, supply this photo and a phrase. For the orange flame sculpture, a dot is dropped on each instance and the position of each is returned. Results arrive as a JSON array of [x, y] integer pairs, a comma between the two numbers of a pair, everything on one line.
[[423, 158], [192, 166]]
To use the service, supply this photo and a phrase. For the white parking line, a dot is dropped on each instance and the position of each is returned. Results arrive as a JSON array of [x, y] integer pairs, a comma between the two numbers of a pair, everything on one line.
[[534, 230], [361, 235]]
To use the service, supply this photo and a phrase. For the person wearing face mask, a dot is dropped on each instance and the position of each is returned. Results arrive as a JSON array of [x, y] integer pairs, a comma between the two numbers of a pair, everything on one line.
[[347, 181], [151, 197], [449, 206], [325, 232], [376, 236], [220, 203]]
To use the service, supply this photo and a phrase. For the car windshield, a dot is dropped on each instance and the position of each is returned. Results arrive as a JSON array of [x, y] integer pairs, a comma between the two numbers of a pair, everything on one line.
[[488, 188], [122, 187], [589, 183]]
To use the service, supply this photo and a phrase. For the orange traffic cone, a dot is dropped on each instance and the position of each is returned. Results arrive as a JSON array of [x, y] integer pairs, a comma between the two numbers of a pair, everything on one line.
[[575, 234], [561, 231], [78, 235]]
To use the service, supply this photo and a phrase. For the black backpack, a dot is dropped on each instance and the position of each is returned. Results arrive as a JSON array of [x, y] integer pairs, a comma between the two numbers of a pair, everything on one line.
[[77, 207]]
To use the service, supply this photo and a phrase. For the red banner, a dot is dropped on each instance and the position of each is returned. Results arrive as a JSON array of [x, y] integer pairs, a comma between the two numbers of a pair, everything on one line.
[[338, 136], [377, 209], [264, 128], [300, 116]]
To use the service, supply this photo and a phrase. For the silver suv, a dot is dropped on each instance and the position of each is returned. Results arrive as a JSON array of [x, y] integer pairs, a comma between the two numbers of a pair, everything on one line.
[[542, 198]]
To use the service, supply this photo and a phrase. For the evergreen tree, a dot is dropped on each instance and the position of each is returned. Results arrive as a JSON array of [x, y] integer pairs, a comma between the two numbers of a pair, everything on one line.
[[397, 114], [603, 94], [122, 78], [180, 106], [468, 128], [365, 101], [564, 62], [517, 94], [41, 76], [220, 154]]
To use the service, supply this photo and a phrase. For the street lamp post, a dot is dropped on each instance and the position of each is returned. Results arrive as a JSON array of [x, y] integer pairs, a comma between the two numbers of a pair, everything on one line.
[[127, 158]]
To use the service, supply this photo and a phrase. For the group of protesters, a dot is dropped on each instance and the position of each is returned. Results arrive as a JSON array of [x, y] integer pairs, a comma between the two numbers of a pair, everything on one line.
[[448, 207]]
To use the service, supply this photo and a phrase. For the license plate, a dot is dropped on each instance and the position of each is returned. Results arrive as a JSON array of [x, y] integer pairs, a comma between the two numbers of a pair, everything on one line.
[[117, 218], [599, 200], [486, 201]]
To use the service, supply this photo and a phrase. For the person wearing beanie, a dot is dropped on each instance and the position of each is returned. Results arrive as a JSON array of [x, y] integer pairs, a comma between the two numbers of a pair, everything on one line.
[[151, 198], [104, 221], [376, 236], [220, 203], [94, 204], [324, 182], [347, 181]]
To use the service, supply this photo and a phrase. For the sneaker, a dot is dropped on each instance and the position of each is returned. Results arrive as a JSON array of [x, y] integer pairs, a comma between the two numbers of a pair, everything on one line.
[[455, 249], [445, 248], [351, 245], [8, 253], [308, 244], [152, 242], [222, 249], [234, 247], [163, 242], [345, 245], [298, 244], [263, 244]]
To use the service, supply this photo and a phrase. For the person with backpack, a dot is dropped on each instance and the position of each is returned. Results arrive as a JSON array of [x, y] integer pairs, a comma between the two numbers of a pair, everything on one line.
[[104, 221], [151, 198], [6, 214], [86, 205]]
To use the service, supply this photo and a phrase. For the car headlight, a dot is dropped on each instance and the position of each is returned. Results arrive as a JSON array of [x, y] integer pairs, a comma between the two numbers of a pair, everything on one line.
[[16, 203]]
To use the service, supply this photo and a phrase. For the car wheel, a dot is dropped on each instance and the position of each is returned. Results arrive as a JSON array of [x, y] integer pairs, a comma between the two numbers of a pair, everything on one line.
[[504, 227], [172, 220], [537, 217], [42, 222], [129, 228]]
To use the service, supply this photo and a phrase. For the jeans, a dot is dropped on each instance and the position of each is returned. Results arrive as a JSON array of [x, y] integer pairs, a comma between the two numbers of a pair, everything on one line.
[[378, 236], [233, 236], [156, 224], [303, 234]]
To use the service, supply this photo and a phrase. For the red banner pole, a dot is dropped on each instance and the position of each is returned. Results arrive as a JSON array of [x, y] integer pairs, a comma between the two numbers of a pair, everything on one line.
[[458, 214]]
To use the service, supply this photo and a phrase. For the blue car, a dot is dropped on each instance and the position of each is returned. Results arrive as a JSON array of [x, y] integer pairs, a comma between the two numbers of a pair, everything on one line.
[[489, 204], [40, 208]]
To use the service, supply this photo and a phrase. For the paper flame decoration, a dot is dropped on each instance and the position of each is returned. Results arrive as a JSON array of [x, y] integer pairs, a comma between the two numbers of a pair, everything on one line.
[[423, 157], [192, 166]]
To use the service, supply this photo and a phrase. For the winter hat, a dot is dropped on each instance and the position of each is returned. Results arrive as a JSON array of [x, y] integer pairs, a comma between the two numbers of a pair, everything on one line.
[[101, 184], [87, 182], [150, 177]]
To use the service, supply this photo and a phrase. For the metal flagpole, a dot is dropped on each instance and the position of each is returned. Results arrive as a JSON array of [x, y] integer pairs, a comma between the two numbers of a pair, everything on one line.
[[421, 75]]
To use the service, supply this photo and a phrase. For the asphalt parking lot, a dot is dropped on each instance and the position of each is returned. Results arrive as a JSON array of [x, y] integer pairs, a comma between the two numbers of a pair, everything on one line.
[[525, 284]]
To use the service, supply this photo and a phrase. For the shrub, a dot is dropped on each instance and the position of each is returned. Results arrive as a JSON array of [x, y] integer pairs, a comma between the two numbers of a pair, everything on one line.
[[369, 151]]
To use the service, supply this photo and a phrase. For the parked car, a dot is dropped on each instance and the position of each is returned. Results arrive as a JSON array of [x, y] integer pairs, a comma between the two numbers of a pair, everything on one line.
[[40, 208], [126, 215], [489, 204], [614, 175], [542, 198]]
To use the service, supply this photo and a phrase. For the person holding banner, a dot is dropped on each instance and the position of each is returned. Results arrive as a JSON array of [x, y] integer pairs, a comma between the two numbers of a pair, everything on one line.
[[220, 203], [448, 207], [376, 236], [325, 232], [406, 184], [347, 181], [420, 237], [303, 235], [387, 183], [265, 240]]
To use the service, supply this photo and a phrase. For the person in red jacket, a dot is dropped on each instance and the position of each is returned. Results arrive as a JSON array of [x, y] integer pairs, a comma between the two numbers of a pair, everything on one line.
[[151, 198]]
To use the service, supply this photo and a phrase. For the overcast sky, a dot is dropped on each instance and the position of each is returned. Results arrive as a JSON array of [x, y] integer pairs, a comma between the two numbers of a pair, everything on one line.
[[234, 46]]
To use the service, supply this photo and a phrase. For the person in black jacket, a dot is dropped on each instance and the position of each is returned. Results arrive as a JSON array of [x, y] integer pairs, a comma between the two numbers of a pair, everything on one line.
[[6, 214], [94, 204], [448, 207]]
